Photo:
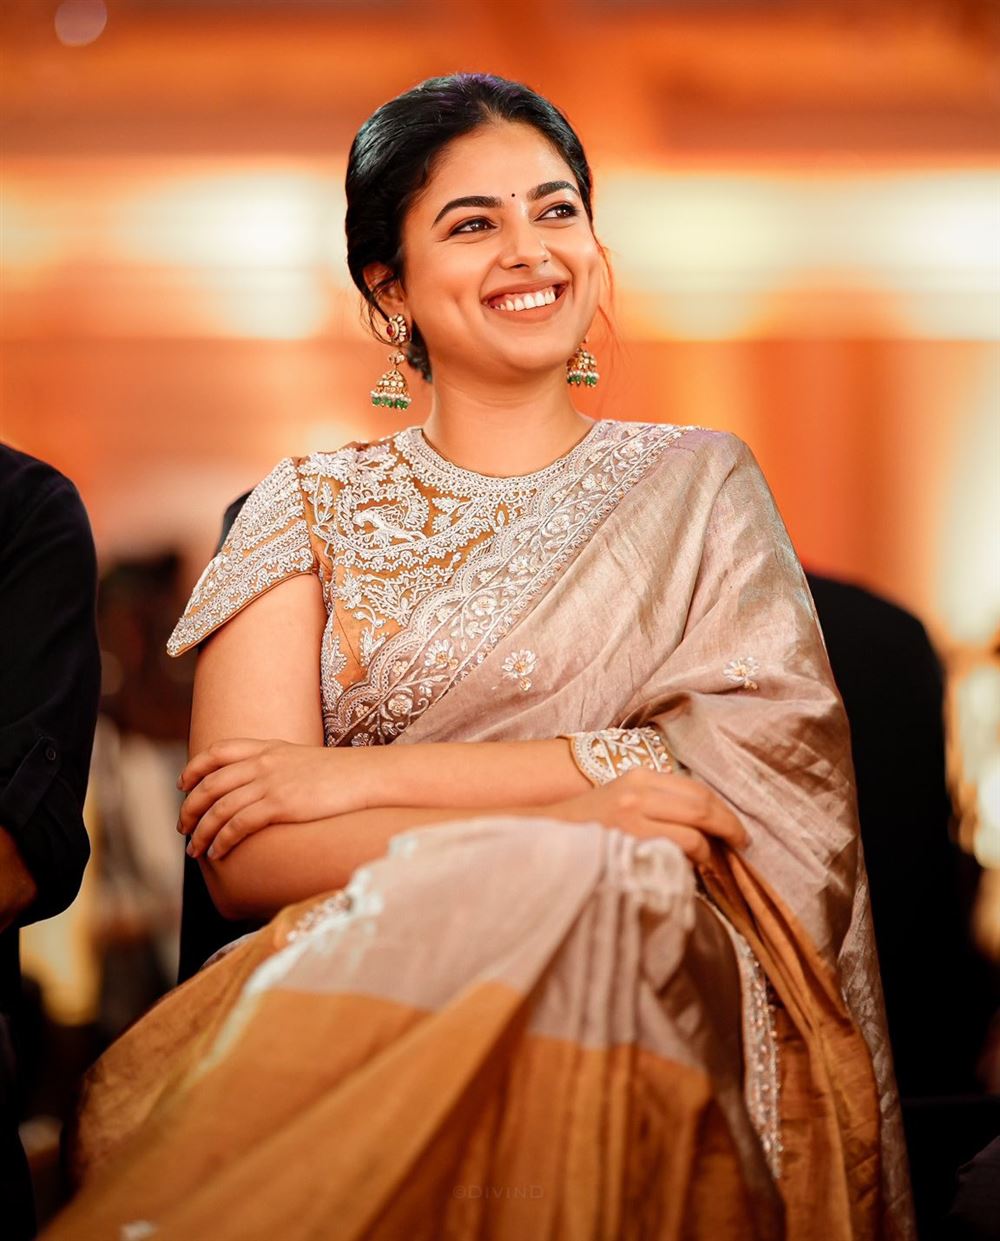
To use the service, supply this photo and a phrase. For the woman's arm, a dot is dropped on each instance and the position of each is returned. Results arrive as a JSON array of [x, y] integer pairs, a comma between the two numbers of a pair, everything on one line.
[[290, 862], [259, 676], [472, 773], [241, 785], [293, 861]]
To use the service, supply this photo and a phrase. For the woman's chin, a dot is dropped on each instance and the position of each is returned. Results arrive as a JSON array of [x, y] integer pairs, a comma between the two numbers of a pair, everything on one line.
[[534, 362]]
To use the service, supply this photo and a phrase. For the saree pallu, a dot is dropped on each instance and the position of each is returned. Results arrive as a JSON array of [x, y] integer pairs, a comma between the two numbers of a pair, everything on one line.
[[523, 1028]]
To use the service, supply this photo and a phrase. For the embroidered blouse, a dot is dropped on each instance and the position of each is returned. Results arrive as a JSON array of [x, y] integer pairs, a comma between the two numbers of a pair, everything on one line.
[[401, 540]]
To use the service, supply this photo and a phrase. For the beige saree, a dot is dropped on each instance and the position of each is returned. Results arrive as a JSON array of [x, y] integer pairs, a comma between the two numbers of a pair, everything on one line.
[[525, 1028]]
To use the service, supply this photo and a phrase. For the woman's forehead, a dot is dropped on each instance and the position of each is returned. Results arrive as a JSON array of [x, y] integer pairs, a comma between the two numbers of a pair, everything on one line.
[[497, 159]]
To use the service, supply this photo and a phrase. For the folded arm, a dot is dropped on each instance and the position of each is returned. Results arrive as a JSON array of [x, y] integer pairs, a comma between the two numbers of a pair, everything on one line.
[[290, 862], [258, 676]]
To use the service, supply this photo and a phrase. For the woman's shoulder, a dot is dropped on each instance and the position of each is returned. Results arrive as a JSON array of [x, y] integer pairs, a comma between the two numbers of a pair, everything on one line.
[[701, 447], [694, 464]]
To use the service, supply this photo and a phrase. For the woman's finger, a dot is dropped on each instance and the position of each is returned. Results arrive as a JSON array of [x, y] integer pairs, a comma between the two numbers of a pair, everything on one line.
[[210, 789], [243, 824], [698, 808], [219, 814], [219, 754], [693, 842]]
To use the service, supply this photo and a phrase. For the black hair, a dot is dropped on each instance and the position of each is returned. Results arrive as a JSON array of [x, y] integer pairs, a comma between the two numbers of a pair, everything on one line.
[[393, 155]]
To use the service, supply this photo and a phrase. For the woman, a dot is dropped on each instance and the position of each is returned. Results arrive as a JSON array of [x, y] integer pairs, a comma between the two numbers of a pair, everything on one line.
[[622, 984]]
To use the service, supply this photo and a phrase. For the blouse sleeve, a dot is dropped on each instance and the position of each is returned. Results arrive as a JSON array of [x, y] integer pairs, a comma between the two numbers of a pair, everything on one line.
[[605, 755], [268, 543]]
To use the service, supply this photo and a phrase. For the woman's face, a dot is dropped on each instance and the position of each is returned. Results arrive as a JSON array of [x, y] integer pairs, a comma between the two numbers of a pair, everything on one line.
[[500, 225]]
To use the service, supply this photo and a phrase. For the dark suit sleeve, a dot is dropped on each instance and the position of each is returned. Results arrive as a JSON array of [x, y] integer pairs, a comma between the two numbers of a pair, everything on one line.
[[49, 677]]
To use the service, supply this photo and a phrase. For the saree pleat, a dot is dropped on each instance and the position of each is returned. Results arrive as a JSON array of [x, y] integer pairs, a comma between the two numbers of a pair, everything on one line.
[[830, 1120]]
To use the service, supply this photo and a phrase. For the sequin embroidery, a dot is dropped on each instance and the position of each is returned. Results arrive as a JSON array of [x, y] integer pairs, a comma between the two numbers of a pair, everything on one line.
[[268, 543], [519, 666]]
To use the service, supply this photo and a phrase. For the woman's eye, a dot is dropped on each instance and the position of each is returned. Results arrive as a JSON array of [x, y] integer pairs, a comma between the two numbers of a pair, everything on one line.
[[467, 226], [566, 211]]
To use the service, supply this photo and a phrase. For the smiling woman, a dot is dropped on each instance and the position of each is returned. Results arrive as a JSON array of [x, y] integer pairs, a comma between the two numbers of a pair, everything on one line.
[[445, 186], [471, 268], [569, 922]]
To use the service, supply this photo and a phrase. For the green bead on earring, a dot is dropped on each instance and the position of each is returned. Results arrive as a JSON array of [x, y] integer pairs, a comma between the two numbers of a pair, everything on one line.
[[581, 369]]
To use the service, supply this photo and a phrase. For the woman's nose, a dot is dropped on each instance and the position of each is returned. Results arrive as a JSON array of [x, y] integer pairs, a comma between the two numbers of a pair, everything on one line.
[[524, 246]]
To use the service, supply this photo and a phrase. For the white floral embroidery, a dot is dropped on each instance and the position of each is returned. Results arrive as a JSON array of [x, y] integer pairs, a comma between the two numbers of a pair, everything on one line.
[[331, 910], [495, 545], [440, 654], [742, 672], [332, 662], [436, 564], [401, 703], [519, 666], [607, 754]]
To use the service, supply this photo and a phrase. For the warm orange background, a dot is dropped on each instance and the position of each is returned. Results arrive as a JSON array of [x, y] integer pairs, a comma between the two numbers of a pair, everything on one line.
[[801, 199], [177, 314]]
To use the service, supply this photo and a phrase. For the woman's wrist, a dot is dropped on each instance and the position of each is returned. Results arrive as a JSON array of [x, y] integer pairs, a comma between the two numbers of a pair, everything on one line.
[[484, 775], [368, 775]]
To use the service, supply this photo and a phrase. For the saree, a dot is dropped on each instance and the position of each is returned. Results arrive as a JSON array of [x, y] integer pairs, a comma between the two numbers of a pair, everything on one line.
[[519, 1027]]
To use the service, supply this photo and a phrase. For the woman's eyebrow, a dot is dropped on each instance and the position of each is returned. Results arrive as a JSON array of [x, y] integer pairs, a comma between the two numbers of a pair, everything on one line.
[[485, 200]]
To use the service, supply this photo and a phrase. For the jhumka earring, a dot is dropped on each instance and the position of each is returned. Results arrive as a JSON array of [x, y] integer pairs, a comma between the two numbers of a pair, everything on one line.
[[582, 367], [391, 390]]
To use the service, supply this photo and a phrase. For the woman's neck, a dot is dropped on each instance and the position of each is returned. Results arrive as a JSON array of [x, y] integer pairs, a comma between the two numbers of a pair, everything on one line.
[[504, 431]]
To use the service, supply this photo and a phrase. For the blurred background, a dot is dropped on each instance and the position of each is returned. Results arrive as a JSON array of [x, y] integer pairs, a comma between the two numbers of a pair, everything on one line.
[[802, 205]]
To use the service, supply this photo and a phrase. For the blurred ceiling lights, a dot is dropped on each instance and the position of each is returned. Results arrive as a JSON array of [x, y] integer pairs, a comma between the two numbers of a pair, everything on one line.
[[79, 22], [259, 252]]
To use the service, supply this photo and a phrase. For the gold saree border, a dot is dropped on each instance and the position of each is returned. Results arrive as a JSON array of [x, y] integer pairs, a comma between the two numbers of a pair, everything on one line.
[[831, 1126]]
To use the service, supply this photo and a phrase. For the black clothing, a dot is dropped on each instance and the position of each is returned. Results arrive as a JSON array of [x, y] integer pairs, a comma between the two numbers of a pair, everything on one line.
[[49, 684], [49, 688], [975, 1213], [937, 989]]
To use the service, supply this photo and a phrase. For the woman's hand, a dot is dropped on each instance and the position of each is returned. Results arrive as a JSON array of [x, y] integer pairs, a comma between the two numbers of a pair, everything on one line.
[[651, 804], [237, 786]]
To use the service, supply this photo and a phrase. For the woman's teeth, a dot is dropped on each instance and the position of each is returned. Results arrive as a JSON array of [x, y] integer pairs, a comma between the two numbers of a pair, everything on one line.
[[526, 301]]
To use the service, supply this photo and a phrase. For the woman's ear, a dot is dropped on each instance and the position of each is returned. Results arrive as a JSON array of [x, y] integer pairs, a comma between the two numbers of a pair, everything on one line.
[[390, 295]]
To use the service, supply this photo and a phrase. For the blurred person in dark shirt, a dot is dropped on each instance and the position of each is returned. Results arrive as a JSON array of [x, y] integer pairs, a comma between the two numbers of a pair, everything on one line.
[[49, 687]]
